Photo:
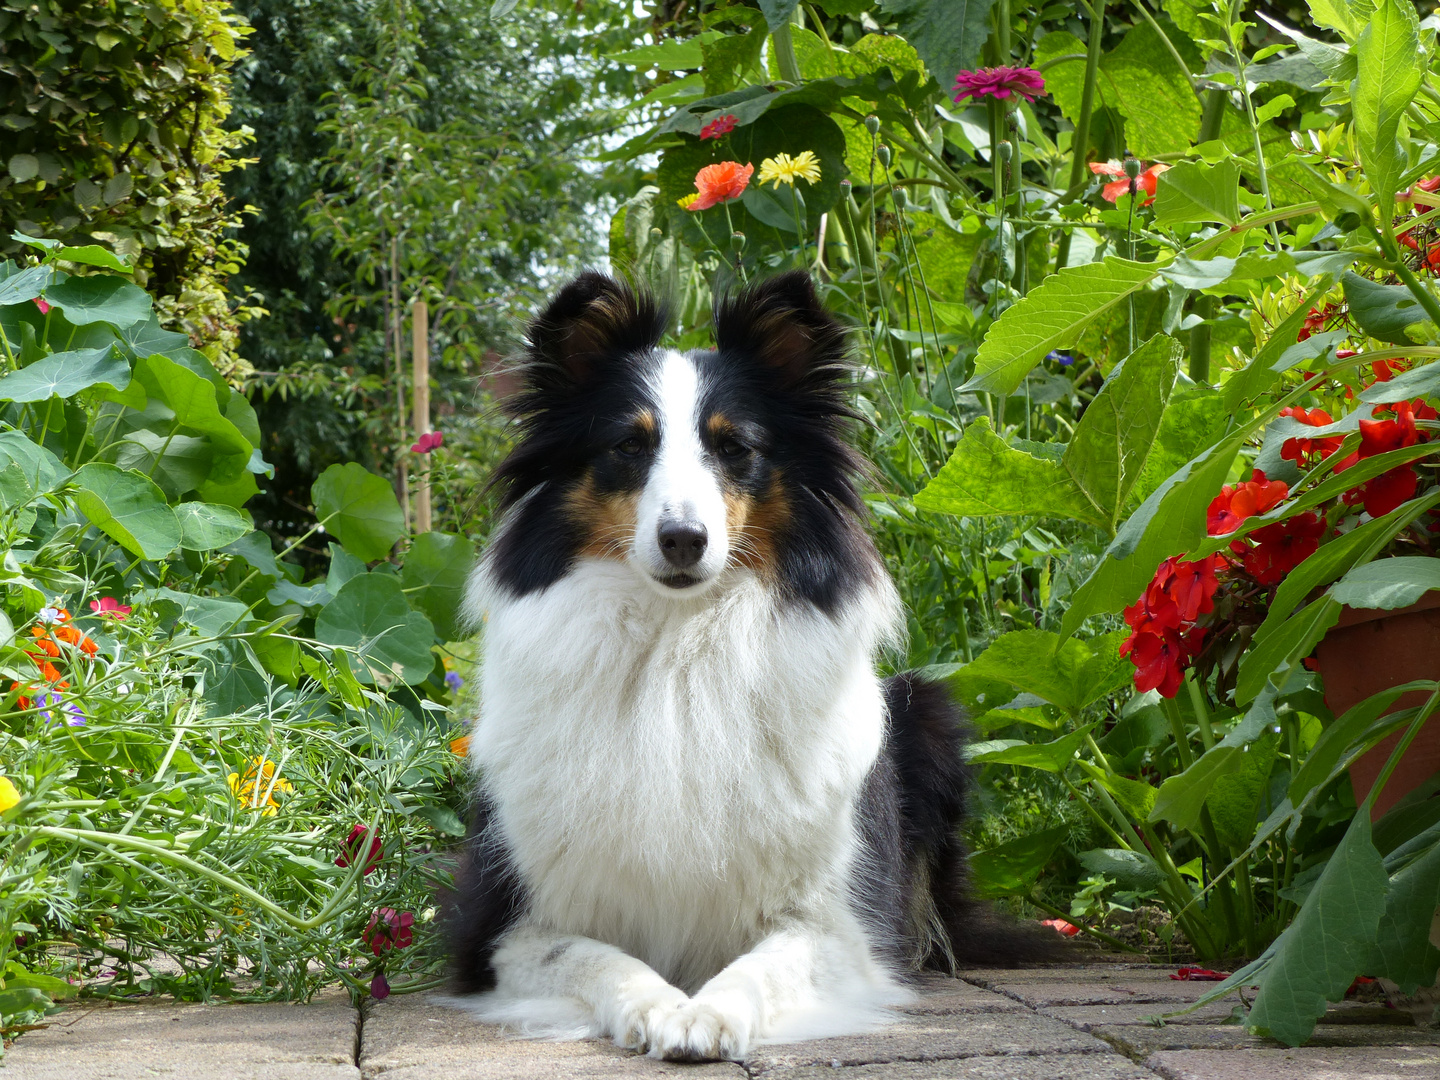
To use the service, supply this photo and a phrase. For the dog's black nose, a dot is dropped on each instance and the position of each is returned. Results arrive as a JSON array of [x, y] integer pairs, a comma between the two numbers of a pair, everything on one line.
[[682, 542]]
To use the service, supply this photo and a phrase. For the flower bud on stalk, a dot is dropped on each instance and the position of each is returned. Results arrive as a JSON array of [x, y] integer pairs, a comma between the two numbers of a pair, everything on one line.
[[737, 241], [899, 198], [882, 155], [1005, 150], [872, 124]]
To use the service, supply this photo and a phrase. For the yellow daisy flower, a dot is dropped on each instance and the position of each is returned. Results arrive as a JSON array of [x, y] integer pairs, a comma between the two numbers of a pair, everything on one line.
[[8, 795], [685, 203], [259, 779], [783, 169]]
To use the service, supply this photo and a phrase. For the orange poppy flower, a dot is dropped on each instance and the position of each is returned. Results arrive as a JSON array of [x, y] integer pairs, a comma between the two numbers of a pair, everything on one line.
[[720, 183]]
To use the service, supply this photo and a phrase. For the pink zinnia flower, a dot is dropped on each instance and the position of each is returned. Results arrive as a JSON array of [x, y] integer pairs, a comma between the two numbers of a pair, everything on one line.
[[427, 442], [721, 125], [1000, 83], [108, 605]]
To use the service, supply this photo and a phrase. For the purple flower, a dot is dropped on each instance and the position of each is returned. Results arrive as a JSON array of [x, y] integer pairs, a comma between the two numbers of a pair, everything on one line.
[[379, 987], [71, 713], [999, 83], [453, 680], [1063, 359]]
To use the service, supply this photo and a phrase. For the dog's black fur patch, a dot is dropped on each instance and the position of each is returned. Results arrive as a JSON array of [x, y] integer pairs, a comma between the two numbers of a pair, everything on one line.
[[487, 900]]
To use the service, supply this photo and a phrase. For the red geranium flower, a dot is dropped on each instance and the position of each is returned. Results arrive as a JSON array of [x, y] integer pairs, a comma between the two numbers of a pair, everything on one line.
[[1159, 660], [720, 183], [1000, 83], [431, 440], [721, 125], [1236, 502], [354, 843], [1283, 546], [1385, 492], [388, 929], [1123, 185]]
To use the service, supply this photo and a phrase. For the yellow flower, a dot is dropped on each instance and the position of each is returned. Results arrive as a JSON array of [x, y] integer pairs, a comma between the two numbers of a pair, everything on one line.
[[684, 203], [783, 169], [259, 779], [8, 795]]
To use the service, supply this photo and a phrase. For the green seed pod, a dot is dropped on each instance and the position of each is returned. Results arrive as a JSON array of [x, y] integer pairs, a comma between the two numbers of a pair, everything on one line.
[[656, 234], [882, 155], [737, 241], [899, 198], [872, 124], [1132, 168], [1004, 150]]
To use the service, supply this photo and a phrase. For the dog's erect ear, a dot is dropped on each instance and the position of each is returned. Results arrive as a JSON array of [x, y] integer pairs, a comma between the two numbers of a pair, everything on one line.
[[781, 324], [591, 320]]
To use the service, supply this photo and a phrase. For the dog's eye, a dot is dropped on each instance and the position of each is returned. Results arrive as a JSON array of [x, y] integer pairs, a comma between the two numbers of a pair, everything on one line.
[[733, 449], [630, 446]]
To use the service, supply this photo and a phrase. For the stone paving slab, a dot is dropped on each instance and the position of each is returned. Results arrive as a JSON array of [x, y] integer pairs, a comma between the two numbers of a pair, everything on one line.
[[1088, 1017], [414, 1038], [1305, 1063], [217, 1042], [1044, 1067], [1139, 1041]]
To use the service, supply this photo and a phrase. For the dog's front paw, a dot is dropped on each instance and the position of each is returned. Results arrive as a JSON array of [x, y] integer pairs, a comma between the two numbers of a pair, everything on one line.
[[703, 1031], [639, 1012]]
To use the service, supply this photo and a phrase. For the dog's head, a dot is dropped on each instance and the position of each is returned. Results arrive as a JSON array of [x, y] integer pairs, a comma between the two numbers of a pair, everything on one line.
[[684, 465]]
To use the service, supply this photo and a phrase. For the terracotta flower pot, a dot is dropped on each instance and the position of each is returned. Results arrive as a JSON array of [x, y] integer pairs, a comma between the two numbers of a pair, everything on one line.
[[1368, 651]]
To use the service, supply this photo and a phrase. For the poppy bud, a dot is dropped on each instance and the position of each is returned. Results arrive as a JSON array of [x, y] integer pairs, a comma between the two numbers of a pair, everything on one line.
[[882, 155], [1132, 168], [1004, 150], [872, 124], [737, 241], [656, 234], [898, 195]]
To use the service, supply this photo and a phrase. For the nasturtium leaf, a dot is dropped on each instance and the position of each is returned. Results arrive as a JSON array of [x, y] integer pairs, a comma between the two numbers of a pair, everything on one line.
[[385, 639], [43, 470], [1389, 66], [178, 463], [192, 398], [985, 475], [1193, 191], [101, 298], [206, 527], [1112, 440], [1051, 317], [360, 508], [129, 508], [948, 34], [1128, 869], [436, 568], [1012, 868], [232, 685], [1329, 943], [343, 567], [212, 616], [1388, 583], [146, 338], [18, 286], [287, 592], [65, 374], [1383, 311], [94, 255], [255, 548]]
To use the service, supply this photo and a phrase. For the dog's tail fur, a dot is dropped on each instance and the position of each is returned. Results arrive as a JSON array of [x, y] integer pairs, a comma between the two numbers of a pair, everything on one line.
[[947, 926]]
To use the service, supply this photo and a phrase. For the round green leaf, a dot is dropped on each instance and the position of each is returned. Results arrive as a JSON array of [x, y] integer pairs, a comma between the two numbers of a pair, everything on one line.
[[360, 508], [100, 299], [436, 568], [370, 617], [66, 373], [205, 527], [129, 508]]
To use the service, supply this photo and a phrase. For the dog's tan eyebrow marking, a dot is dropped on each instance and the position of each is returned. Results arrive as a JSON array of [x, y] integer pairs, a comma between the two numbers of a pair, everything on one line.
[[645, 421], [718, 424]]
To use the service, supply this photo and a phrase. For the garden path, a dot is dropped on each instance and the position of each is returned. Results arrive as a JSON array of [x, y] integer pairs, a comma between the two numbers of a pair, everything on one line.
[[1073, 1023]]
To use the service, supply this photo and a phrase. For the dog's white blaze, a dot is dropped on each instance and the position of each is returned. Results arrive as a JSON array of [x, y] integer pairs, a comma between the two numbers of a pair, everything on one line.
[[682, 482], [677, 777]]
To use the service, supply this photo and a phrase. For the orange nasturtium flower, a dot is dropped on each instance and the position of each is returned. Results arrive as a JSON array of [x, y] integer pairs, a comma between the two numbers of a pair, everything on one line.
[[461, 746], [259, 781], [719, 183]]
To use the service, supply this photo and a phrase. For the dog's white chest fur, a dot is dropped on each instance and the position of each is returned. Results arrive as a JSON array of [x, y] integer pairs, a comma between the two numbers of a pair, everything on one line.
[[674, 777]]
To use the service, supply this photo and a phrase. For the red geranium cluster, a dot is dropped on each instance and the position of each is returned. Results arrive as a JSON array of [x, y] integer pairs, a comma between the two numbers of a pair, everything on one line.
[[389, 929], [1388, 490], [1164, 635]]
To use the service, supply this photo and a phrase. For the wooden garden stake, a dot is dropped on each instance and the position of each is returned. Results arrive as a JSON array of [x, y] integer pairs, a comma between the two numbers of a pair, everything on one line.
[[420, 401]]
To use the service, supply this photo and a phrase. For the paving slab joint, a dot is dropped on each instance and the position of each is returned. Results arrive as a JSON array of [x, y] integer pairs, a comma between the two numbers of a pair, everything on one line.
[[362, 1011]]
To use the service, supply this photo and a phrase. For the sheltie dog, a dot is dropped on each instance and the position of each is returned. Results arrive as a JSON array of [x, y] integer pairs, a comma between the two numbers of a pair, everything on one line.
[[704, 820]]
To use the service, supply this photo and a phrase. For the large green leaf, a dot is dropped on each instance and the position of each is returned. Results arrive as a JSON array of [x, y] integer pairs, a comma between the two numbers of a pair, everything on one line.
[[985, 475], [386, 639], [1069, 674], [436, 568], [17, 286], [1390, 63], [948, 34], [1193, 191], [1355, 730], [192, 398], [1234, 801], [100, 298], [1388, 583], [1293, 640], [1383, 311], [129, 508], [43, 470], [206, 527], [64, 374], [1142, 80], [1011, 869], [1329, 943], [1054, 756], [1403, 950], [1051, 317], [1128, 869], [1107, 453], [360, 508]]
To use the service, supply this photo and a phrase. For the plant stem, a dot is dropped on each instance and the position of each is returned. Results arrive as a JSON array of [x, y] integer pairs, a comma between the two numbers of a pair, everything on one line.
[[1080, 140], [784, 47], [1177, 728], [1202, 713], [1057, 913]]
